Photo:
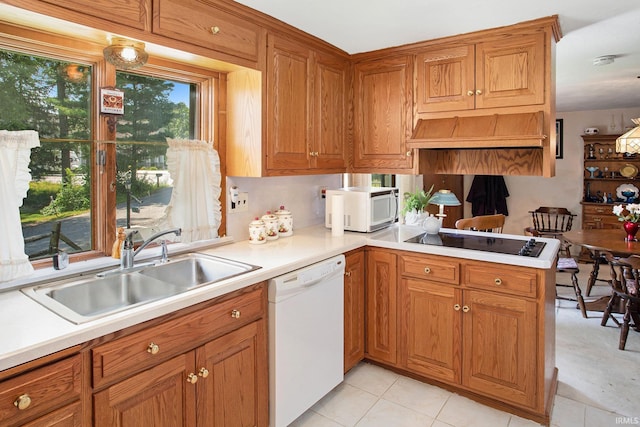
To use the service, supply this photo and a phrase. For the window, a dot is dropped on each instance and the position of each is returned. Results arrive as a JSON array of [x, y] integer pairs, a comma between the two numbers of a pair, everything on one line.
[[82, 185]]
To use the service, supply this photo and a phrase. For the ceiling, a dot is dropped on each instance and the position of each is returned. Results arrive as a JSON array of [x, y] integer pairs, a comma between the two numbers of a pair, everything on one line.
[[590, 28]]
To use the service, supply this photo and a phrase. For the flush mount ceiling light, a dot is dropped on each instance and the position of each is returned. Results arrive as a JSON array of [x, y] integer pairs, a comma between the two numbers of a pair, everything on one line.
[[125, 54], [604, 60]]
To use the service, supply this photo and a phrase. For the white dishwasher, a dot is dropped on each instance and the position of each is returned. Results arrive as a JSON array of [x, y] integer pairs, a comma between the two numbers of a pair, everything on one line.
[[306, 338]]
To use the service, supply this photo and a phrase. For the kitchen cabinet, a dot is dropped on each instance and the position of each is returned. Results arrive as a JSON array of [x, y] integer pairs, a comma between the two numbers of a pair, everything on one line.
[[134, 14], [306, 109], [354, 308], [381, 306], [498, 73], [475, 326], [49, 395], [600, 153], [383, 97], [204, 24], [208, 367]]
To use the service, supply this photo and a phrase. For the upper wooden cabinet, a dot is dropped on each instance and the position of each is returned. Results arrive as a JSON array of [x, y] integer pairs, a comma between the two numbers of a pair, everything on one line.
[[202, 23], [135, 14], [498, 73], [383, 94]]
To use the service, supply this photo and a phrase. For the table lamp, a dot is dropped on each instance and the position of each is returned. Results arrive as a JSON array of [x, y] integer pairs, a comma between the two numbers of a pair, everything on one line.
[[444, 198]]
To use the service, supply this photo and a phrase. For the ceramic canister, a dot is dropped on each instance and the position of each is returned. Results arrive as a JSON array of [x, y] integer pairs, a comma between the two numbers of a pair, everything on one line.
[[270, 225], [257, 232], [285, 222]]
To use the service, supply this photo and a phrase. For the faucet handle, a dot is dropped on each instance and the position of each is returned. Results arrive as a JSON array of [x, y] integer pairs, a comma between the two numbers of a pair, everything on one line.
[[165, 252]]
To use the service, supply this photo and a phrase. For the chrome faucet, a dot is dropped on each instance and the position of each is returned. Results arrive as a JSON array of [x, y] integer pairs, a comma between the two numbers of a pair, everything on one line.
[[128, 254]]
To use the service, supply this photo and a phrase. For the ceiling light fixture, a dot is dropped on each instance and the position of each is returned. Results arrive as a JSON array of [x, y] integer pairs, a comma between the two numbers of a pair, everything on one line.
[[604, 60], [629, 142], [125, 54]]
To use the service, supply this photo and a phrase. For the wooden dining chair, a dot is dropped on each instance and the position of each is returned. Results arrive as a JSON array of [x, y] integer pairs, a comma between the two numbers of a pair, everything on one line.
[[566, 264], [552, 222], [493, 223], [625, 280]]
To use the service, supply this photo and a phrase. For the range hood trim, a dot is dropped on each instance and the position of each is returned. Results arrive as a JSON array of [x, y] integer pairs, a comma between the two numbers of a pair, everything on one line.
[[489, 131]]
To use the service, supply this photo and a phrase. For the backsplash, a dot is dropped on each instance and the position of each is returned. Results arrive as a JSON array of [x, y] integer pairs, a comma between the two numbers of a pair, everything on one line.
[[299, 194]]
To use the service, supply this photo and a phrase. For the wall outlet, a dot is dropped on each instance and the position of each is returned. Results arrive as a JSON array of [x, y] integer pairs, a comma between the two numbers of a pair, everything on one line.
[[242, 205]]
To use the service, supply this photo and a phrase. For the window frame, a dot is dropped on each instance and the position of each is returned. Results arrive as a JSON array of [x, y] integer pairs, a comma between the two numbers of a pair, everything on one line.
[[209, 124]]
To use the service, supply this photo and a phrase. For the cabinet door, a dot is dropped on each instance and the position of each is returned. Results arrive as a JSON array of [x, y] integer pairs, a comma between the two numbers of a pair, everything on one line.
[[329, 112], [234, 390], [381, 299], [430, 329], [446, 79], [499, 346], [353, 309], [160, 396], [288, 92], [383, 91], [510, 71]]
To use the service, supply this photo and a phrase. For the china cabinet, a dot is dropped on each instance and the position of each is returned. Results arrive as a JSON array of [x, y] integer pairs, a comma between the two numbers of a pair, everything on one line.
[[606, 175]]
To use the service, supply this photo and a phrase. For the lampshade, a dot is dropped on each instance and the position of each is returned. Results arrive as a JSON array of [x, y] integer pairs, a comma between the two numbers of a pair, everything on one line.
[[125, 54], [630, 141], [444, 198]]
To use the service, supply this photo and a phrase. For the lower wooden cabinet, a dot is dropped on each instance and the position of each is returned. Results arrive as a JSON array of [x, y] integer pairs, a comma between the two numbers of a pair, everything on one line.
[[381, 297], [477, 326], [353, 309]]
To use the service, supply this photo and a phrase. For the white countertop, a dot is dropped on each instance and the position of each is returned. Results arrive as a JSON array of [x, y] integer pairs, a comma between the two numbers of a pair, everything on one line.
[[31, 331]]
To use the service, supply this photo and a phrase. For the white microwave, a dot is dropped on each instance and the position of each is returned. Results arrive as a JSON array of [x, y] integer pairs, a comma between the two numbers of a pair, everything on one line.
[[366, 209]]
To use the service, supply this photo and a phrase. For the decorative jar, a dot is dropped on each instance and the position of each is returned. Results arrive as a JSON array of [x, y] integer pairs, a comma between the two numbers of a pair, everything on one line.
[[257, 233], [270, 225], [285, 222], [631, 228]]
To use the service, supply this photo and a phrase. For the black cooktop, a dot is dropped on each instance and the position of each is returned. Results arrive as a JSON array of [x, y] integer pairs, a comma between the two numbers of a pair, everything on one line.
[[501, 245]]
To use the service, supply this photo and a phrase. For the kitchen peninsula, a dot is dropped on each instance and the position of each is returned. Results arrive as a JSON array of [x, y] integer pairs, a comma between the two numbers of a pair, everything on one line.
[[488, 317]]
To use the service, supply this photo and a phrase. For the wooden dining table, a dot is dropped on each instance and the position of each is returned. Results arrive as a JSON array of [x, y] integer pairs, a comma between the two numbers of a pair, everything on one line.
[[597, 241]]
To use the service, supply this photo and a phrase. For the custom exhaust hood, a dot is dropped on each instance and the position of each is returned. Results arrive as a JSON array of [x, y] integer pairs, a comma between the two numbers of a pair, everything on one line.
[[490, 131]]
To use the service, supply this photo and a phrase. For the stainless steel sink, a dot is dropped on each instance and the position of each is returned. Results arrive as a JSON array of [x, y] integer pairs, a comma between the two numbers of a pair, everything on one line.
[[195, 269], [84, 299]]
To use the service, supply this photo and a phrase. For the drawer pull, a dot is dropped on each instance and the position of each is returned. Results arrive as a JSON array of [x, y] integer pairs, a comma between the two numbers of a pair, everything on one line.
[[235, 314], [497, 281], [215, 30], [456, 307], [192, 378], [427, 270], [153, 348], [204, 372], [466, 309], [23, 402]]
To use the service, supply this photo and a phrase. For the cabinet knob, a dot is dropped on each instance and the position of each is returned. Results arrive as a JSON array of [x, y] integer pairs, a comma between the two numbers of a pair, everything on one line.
[[466, 308], [23, 402], [456, 307], [427, 270], [192, 378], [469, 93], [313, 153], [204, 372], [478, 92], [215, 30], [497, 281], [153, 348], [409, 153], [347, 274], [235, 314]]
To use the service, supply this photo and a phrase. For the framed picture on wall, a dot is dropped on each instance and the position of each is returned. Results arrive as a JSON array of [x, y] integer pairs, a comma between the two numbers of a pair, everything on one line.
[[559, 141]]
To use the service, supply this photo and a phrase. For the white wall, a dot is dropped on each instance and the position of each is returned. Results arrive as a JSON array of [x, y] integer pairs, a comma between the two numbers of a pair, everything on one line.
[[565, 189], [299, 194]]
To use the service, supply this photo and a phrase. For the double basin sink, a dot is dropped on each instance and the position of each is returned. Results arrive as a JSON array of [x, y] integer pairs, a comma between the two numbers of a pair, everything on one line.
[[82, 299]]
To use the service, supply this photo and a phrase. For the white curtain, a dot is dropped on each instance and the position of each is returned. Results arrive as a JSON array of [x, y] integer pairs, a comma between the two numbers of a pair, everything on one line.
[[15, 154], [195, 200]]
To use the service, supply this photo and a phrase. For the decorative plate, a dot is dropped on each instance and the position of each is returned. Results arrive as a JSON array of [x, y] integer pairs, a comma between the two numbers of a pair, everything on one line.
[[626, 187], [629, 170]]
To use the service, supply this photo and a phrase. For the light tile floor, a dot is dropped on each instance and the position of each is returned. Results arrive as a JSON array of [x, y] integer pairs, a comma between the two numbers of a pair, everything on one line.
[[598, 384]]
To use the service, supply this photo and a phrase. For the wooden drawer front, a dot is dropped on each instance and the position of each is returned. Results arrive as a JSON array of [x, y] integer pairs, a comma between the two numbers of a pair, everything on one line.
[[594, 216], [501, 278], [434, 269], [48, 387], [133, 353], [136, 14], [200, 23]]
